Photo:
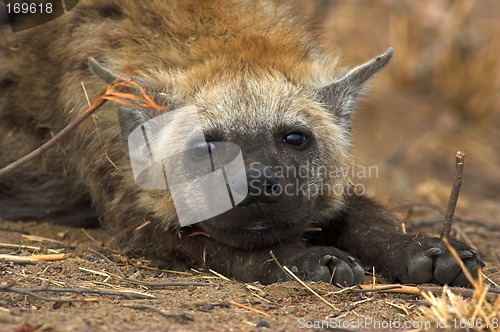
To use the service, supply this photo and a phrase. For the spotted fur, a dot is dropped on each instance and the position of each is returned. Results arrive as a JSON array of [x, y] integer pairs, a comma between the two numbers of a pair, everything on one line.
[[255, 70]]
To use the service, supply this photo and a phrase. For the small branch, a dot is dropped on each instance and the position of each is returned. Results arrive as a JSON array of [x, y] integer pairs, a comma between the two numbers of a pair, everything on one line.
[[388, 289], [273, 256], [148, 283], [181, 315], [55, 139], [32, 258], [455, 191], [309, 288], [292, 275], [260, 312], [113, 92], [416, 290], [32, 292]]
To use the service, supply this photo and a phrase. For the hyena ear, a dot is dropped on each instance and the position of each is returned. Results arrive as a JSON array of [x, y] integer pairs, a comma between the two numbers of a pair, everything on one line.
[[340, 96], [128, 117], [102, 72]]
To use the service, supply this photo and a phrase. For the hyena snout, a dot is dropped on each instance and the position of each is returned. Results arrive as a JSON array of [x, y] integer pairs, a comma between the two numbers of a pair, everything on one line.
[[263, 185]]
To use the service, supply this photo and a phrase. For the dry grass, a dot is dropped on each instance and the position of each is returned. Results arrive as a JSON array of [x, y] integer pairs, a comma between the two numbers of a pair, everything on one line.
[[455, 312], [452, 311]]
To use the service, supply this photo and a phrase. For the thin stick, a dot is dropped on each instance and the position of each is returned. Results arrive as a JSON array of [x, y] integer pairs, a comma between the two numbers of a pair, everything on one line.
[[219, 275], [291, 274], [55, 139], [277, 262], [160, 311], [309, 288], [455, 191], [250, 308], [32, 258], [149, 283], [32, 292], [417, 290], [112, 92]]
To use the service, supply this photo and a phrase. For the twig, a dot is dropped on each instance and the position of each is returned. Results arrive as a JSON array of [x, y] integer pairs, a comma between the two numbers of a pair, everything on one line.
[[210, 307], [219, 275], [35, 238], [477, 223], [112, 92], [55, 139], [18, 246], [291, 274], [260, 312], [160, 311], [309, 288], [32, 292], [416, 290], [455, 191], [148, 283], [32, 258], [277, 262], [102, 274], [388, 289]]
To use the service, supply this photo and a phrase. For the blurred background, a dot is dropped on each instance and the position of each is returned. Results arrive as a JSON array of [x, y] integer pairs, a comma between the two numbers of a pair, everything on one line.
[[439, 94]]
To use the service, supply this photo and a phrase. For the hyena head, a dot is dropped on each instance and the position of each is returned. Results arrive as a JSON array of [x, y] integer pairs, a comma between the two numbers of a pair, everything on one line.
[[250, 155]]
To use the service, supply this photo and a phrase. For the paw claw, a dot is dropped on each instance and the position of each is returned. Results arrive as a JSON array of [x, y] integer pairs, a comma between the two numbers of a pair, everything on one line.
[[432, 252], [465, 254], [352, 260], [343, 275], [325, 259], [335, 260]]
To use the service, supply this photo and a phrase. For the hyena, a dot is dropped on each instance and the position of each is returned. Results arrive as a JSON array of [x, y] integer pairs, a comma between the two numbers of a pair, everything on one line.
[[256, 76]]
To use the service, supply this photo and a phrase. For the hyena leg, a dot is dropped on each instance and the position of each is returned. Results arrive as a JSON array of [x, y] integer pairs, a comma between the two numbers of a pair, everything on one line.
[[367, 231], [308, 263]]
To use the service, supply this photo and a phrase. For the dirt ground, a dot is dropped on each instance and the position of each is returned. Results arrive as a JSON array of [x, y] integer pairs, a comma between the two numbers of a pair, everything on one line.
[[420, 111]]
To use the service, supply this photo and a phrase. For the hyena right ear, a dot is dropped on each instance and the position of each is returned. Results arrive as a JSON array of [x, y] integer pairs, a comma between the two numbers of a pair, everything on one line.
[[128, 116], [340, 96]]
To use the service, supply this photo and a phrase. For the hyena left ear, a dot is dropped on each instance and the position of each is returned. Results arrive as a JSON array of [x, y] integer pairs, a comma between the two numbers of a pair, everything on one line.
[[102, 72], [340, 96], [129, 117]]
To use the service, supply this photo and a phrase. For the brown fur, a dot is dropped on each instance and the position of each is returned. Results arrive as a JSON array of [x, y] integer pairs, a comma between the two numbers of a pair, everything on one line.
[[252, 67], [188, 56]]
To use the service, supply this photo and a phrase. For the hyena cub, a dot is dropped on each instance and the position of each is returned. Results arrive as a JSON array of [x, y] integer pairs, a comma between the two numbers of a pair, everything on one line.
[[242, 81]]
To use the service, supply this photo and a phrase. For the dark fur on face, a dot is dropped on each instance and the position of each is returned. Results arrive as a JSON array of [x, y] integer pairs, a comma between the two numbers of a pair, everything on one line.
[[257, 78]]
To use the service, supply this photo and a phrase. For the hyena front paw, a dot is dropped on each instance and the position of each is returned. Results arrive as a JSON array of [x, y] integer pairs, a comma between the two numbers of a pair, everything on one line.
[[325, 264], [430, 261]]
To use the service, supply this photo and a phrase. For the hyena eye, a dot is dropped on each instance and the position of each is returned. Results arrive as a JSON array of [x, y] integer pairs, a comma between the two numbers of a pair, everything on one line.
[[297, 140], [201, 150]]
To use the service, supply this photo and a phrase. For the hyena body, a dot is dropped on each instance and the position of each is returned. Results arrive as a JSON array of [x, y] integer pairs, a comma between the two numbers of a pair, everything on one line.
[[260, 80]]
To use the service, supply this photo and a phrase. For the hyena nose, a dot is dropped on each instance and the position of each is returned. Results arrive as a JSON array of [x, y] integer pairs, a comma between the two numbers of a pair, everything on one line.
[[272, 190], [263, 186]]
